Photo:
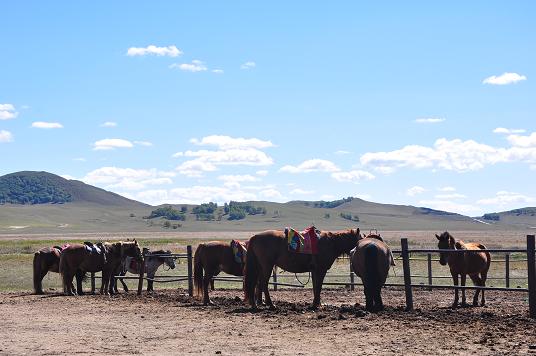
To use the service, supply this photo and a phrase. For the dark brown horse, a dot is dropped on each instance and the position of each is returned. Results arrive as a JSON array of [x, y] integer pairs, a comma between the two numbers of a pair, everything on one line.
[[270, 248], [77, 259], [474, 264], [210, 259], [371, 260], [45, 260]]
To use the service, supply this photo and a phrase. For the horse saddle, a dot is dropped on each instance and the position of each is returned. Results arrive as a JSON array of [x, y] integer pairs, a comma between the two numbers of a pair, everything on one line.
[[303, 242], [97, 249], [239, 251]]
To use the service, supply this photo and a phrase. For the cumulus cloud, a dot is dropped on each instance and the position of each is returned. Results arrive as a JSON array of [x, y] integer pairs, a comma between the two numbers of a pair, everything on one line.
[[195, 66], [227, 142], [262, 173], [5, 136], [143, 143], [354, 176], [231, 152], [502, 130], [505, 198], [342, 152], [299, 191], [450, 196], [111, 143], [248, 65], [217, 71], [447, 189], [450, 206], [429, 120], [128, 178], [415, 190], [311, 165], [46, 125], [109, 124], [454, 155], [504, 79], [193, 195], [170, 51], [7, 112], [271, 193]]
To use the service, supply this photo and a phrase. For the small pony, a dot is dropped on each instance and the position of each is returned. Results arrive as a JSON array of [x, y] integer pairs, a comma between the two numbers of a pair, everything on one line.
[[371, 261], [474, 264], [152, 263]]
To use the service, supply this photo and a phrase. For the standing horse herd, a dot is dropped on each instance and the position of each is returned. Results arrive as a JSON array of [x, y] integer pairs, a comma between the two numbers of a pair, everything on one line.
[[371, 259]]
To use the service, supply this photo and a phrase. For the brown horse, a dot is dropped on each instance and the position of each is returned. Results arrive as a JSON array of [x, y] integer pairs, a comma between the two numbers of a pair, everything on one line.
[[371, 260], [270, 248], [78, 259], [210, 259], [474, 264], [45, 260]]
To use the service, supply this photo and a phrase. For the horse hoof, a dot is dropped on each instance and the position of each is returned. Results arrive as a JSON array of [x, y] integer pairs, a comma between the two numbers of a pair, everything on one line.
[[454, 305], [209, 303], [272, 307]]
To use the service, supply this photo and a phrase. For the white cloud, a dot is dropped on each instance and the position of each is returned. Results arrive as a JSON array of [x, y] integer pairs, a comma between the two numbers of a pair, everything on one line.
[[193, 195], [144, 143], [217, 71], [235, 180], [327, 197], [128, 178], [450, 206], [111, 143], [454, 155], [5, 136], [415, 190], [195, 168], [46, 125], [7, 112], [342, 152], [109, 124], [311, 165], [67, 176], [299, 191], [504, 79], [502, 130], [195, 66], [447, 189], [79, 159], [505, 198], [248, 65], [429, 120], [354, 176], [227, 142], [271, 194], [262, 173], [450, 196], [170, 51]]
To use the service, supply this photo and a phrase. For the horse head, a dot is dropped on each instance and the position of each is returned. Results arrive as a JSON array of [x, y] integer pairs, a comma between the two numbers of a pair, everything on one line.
[[445, 242], [345, 241], [170, 261], [131, 249]]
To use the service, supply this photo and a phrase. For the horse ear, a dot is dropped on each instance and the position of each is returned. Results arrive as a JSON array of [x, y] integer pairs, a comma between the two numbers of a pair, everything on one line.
[[436, 235]]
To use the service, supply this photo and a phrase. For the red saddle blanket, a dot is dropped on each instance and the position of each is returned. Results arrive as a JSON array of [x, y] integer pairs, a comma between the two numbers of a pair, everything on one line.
[[303, 242]]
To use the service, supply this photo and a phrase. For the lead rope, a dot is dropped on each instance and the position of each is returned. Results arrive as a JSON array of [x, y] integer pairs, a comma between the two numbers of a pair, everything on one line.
[[303, 284]]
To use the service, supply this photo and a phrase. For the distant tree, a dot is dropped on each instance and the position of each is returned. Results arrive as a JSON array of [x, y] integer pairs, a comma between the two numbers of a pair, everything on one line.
[[349, 216], [327, 216], [167, 224], [184, 209], [167, 212], [492, 216]]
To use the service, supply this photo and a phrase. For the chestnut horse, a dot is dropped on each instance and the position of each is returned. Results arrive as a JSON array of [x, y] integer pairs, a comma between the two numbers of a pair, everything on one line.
[[78, 259], [371, 261], [270, 248], [45, 260], [210, 259], [474, 264]]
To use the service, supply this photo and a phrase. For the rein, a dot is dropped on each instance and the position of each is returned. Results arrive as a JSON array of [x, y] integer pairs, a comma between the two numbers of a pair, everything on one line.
[[300, 282]]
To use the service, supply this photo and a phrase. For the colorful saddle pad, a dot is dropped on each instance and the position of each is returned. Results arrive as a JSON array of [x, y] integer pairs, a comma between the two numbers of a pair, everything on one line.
[[303, 242], [239, 251]]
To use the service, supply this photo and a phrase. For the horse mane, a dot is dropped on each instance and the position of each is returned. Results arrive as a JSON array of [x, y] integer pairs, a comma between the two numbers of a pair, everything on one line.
[[340, 237]]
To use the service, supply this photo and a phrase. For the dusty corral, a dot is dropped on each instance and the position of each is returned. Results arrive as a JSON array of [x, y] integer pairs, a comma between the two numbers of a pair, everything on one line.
[[172, 322]]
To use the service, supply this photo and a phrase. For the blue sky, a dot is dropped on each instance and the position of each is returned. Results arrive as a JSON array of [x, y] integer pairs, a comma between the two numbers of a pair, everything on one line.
[[415, 103]]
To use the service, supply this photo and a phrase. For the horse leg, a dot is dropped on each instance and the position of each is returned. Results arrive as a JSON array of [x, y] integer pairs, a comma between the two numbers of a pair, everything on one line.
[[463, 279], [207, 279], [79, 278], [477, 282], [259, 292], [317, 287], [455, 280], [369, 299], [125, 288], [264, 278], [483, 277], [150, 277]]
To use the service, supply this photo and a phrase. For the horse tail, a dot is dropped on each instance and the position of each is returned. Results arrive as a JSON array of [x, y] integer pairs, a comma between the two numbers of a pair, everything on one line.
[[37, 281], [198, 270], [251, 273], [372, 278], [488, 257]]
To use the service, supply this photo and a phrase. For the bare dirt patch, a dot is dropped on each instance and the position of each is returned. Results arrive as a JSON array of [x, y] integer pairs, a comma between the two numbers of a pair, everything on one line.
[[172, 322]]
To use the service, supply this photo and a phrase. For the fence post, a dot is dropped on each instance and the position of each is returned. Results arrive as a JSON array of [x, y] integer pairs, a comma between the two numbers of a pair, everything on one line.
[[92, 282], [407, 274], [142, 272], [274, 276], [430, 271], [507, 269], [190, 276], [352, 277], [531, 269]]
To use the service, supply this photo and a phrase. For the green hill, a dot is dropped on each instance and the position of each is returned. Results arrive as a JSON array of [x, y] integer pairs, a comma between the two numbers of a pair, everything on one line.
[[517, 218]]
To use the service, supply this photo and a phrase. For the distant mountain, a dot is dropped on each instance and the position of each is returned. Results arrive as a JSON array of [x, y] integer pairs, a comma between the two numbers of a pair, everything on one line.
[[521, 218], [30, 187]]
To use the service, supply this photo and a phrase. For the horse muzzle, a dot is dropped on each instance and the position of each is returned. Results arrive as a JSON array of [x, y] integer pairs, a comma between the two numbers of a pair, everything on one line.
[[443, 262]]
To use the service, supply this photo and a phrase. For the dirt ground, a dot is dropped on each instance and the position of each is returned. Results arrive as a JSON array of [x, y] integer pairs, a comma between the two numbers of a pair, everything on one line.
[[170, 322]]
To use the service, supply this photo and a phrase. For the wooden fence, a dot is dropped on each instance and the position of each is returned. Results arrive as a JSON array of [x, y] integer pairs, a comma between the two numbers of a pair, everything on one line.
[[405, 253]]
